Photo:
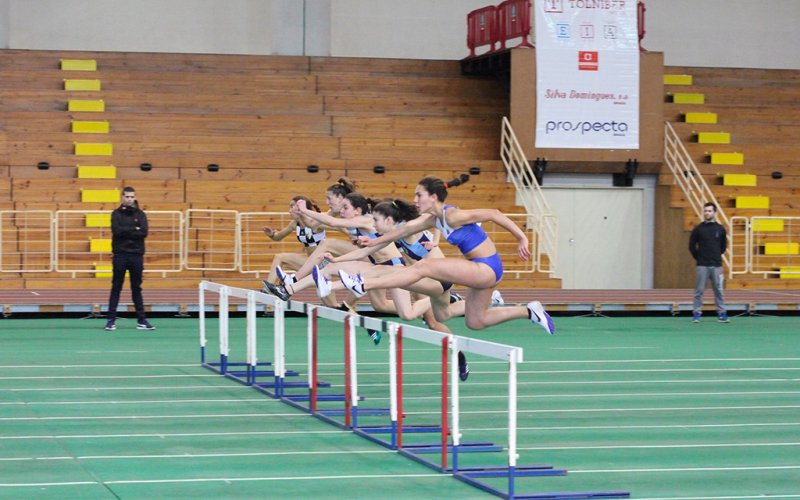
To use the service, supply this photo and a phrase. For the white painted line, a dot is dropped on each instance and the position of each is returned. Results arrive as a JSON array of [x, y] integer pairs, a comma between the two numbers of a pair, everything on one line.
[[231, 480], [162, 435], [199, 455], [689, 469], [148, 388], [141, 402], [659, 446], [94, 377], [153, 417], [84, 367], [630, 427]]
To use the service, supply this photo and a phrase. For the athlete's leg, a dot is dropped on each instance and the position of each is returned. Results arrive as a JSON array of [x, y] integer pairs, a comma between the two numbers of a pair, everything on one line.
[[336, 247], [291, 261], [457, 271], [479, 315]]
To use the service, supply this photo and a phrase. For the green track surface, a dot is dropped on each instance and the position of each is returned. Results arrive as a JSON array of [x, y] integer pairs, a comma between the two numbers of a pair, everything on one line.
[[657, 406]]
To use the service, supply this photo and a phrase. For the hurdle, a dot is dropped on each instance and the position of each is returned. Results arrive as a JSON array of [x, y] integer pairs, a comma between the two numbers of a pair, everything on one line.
[[449, 445]]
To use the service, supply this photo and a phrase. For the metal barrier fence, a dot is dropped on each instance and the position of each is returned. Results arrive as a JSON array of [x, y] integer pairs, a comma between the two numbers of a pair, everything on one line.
[[73, 241]]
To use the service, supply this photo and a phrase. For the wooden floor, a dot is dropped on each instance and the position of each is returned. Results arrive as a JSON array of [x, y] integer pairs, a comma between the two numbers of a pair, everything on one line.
[[557, 300]]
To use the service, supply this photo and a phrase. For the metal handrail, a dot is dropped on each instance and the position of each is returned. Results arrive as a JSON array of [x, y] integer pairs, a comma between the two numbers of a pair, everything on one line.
[[691, 181], [544, 222]]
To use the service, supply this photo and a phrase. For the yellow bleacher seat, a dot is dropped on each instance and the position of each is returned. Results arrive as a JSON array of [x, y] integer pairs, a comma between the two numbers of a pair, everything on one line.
[[87, 105], [90, 127], [752, 202], [677, 79], [78, 65], [97, 172], [98, 220], [768, 225], [99, 245], [103, 271], [739, 180], [789, 273], [727, 159], [781, 248], [700, 117], [81, 84], [94, 149], [100, 195], [714, 138], [687, 98]]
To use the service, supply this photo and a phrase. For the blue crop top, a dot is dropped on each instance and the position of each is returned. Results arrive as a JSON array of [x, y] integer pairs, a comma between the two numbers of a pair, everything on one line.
[[465, 238], [416, 250]]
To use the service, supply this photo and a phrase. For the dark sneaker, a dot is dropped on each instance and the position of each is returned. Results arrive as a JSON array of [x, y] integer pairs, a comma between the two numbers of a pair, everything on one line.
[[375, 335], [144, 325], [111, 326], [463, 367], [454, 297], [276, 290], [696, 318], [539, 317], [723, 318]]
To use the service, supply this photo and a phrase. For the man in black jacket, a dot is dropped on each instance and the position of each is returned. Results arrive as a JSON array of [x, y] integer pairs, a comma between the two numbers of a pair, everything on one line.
[[129, 230], [707, 243]]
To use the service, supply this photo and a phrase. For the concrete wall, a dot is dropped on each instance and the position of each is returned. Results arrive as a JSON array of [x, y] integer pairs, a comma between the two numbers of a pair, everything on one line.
[[726, 33]]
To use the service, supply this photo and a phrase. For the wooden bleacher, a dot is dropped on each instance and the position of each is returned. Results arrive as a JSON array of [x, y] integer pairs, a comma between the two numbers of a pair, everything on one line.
[[756, 107], [262, 119]]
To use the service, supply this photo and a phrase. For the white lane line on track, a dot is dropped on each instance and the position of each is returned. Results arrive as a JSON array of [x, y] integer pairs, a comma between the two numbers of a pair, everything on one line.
[[140, 402], [162, 435], [690, 469], [199, 455], [232, 479], [416, 398], [484, 412], [654, 447], [153, 417], [147, 388], [93, 377], [82, 367]]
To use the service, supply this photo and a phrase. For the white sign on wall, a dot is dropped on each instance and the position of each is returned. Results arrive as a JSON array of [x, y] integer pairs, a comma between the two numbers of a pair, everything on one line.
[[587, 74]]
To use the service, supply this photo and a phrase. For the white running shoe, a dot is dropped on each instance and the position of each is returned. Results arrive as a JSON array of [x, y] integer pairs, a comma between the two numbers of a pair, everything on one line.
[[323, 285], [540, 317], [353, 283], [497, 299], [285, 278]]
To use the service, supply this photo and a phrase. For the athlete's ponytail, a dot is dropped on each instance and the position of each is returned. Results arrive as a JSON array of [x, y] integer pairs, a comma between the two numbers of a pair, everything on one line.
[[435, 185], [398, 209], [343, 187]]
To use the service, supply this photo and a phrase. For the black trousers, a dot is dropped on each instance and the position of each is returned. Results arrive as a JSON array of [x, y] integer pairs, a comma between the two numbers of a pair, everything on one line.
[[133, 264]]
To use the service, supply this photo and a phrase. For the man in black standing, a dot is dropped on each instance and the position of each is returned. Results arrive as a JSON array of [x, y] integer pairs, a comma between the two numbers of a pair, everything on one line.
[[129, 230], [707, 243]]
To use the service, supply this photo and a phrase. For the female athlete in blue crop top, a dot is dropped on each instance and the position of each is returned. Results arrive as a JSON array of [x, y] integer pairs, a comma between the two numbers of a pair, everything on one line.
[[481, 270]]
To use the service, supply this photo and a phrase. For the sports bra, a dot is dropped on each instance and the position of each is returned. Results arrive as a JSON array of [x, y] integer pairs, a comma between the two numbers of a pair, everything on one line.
[[415, 251], [465, 238], [308, 237]]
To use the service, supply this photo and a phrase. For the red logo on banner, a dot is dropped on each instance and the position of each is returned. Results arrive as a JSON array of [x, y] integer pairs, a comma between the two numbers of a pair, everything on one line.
[[588, 60]]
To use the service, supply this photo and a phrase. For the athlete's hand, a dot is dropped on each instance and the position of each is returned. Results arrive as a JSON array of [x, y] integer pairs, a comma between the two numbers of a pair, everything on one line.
[[301, 205], [268, 231], [429, 245], [364, 241], [328, 256], [523, 250]]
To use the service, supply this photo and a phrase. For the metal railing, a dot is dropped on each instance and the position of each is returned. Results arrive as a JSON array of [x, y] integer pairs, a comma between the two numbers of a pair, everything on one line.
[[540, 218], [691, 181], [70, 241]]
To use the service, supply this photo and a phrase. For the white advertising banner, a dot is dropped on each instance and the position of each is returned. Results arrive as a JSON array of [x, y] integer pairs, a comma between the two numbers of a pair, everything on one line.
[[587, 74]]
